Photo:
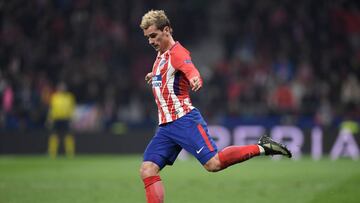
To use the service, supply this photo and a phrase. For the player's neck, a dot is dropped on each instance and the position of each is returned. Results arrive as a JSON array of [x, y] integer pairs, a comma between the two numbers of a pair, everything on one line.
[[169, 45]]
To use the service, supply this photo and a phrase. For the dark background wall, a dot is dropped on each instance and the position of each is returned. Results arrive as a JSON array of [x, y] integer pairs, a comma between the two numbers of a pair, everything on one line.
[[35, 142]]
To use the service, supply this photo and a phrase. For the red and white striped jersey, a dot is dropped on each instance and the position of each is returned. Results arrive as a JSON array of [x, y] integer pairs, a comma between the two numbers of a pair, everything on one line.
[[172, 71]]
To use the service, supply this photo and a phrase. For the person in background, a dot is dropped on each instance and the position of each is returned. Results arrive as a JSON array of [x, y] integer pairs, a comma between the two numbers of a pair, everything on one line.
[[61, 110]]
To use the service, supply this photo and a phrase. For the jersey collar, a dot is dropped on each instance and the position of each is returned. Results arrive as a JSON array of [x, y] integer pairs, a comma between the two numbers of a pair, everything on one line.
[[163, 54]]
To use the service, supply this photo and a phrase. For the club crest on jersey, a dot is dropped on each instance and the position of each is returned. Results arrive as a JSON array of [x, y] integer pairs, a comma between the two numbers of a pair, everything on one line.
[[162, 63], [156, 81]]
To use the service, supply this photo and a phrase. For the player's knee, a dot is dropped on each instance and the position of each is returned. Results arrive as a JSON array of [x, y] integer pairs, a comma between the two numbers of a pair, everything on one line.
[[213, 165], [148, 169]]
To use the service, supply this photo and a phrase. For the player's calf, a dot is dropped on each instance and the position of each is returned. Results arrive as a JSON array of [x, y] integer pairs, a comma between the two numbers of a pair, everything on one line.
[[153, 185]]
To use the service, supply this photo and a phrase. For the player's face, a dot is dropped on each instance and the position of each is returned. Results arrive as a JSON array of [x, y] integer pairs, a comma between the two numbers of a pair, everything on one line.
[[158, 39]]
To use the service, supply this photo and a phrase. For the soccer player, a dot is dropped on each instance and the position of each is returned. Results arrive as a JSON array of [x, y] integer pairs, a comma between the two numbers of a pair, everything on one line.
[[181, 125], [61, 110]]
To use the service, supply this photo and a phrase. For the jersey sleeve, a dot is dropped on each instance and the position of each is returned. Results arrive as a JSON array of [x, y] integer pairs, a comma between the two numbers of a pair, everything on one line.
[[181, 60]]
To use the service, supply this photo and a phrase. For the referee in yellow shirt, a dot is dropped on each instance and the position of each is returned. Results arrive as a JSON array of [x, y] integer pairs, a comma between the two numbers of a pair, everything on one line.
[[61, 110]]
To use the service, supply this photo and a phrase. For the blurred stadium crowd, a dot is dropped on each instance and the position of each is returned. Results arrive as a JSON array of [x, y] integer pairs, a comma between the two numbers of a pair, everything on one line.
[[259, 59]]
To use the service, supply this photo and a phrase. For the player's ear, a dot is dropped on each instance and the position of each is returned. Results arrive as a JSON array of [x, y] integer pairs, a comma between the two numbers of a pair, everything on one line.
[[167, 30]]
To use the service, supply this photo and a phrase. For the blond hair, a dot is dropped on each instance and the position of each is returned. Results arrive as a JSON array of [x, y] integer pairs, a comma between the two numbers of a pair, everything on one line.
[[155, 17]]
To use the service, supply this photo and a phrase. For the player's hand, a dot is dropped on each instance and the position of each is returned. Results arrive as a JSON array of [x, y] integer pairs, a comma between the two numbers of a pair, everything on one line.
[[195, 83], [148, 77]]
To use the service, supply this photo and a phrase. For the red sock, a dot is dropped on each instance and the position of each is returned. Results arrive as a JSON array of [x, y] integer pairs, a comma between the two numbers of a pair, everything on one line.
[[154, 189], [235, 154]]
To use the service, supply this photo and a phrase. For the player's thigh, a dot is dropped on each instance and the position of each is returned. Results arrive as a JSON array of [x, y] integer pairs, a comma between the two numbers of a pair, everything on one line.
[[162, 150], [192, 134], [61, 127]]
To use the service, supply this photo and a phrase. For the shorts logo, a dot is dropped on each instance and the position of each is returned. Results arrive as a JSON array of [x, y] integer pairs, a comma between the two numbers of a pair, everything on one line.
[[156, 81], [198, 151]]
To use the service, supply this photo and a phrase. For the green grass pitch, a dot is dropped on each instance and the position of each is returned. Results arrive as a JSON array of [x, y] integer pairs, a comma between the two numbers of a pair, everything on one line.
[[110, 179]]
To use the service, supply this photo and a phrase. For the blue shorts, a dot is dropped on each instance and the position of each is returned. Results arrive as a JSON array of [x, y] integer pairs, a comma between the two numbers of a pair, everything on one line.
[[188, 132]]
